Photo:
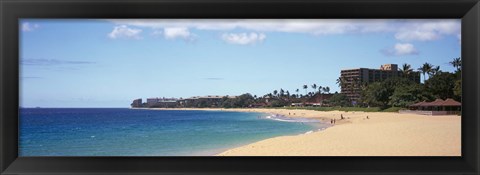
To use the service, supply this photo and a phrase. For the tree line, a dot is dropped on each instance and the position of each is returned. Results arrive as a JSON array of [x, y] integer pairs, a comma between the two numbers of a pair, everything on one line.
[[276, 98], [398, 91], [402, 91]]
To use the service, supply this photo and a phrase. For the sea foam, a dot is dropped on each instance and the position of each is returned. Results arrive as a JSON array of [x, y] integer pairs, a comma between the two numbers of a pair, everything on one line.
[[283, 118]]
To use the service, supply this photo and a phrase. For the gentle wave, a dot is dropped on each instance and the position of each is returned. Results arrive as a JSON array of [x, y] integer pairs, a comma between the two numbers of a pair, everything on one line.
[[308, 132], [291, 119]]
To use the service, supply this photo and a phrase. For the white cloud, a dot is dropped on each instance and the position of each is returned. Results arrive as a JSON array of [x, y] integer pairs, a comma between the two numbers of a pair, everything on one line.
[[243, 38], [428, 30], [312, 26], [404, 30], [123, 31], [401, 30], [417, 35], [27, 27], [405, 49], [177, 32], [401, 49]]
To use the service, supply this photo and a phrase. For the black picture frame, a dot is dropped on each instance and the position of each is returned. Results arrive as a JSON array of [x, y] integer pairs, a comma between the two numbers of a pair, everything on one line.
[[12, 10]]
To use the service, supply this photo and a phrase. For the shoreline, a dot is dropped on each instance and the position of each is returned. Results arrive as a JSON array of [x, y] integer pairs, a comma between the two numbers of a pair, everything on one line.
[[382, 134], [323, 116]]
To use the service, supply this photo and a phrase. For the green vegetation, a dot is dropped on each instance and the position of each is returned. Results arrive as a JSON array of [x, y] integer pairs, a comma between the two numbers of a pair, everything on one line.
[[402, 92], [339, 100], [278, 98], [241, 101], [394, 92], [389, 95]]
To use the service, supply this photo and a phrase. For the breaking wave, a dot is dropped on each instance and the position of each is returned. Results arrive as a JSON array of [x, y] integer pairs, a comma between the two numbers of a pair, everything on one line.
[[283, 118]]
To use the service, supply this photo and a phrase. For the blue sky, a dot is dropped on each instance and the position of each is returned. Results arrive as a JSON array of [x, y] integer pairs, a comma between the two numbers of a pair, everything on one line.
[[107, 63]]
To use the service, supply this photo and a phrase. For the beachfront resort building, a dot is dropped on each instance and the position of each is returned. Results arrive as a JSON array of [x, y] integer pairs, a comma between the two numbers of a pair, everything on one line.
[[437, 107], [318, 100], [161, 102], [353, 79], [196, 101]]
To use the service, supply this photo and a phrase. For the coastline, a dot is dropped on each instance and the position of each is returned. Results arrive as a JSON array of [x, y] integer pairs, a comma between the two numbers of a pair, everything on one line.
[[382, 134]]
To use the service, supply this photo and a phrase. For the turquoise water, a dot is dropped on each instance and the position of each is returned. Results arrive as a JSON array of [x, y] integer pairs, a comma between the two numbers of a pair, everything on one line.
[[137, 132]]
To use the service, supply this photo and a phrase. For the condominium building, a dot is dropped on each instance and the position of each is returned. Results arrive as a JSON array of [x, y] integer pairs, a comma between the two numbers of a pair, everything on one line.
[[155, 102], [353, 79]]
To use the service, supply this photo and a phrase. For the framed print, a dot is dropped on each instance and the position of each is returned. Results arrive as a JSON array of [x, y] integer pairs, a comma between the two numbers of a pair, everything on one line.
[[228, 87]]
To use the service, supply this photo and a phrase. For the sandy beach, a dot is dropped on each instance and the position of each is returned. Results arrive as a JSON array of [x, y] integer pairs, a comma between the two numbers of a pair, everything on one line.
[[382, 134]]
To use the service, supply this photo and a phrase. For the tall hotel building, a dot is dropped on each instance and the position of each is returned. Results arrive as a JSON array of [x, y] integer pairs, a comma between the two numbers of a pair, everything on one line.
[[354, 78]]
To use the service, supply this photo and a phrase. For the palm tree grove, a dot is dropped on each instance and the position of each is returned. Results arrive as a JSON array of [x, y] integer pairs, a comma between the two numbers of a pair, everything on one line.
[[390, 94]]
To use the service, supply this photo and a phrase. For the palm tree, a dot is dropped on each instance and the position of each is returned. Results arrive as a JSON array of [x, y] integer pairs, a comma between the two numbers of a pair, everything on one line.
[[288, 94], [326, 89], [356, 84], [297, 91], [457, 63], [314, 87], [341, 82], [425, 69], [356, 81], [305, 87], [406, 70], [434, 71], [282, 92], [275, 92]]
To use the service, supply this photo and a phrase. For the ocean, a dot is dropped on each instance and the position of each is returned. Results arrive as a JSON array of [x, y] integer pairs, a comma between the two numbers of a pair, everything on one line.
[[141, 132]]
